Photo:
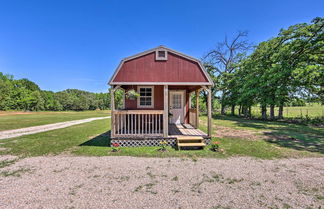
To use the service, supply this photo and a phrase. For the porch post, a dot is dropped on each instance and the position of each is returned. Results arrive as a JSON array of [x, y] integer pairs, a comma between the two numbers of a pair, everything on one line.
[[112, 109], [209, 112], [166, 112], [197, 108]]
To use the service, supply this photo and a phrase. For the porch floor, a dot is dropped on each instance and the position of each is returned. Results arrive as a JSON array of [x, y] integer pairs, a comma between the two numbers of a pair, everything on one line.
[[184, 130]]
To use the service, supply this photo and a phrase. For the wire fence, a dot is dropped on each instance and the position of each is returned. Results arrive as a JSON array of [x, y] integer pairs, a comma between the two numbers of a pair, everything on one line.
[[288, 112]]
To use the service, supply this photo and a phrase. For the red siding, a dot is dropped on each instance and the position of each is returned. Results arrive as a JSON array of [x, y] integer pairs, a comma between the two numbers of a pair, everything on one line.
[[158, 99], [147, 69]]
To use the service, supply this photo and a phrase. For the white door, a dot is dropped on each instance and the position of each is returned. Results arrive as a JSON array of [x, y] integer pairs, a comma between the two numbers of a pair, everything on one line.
[[177, 107]]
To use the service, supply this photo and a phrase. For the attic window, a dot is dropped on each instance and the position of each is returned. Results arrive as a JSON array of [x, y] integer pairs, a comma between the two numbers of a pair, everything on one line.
[[161, 54]]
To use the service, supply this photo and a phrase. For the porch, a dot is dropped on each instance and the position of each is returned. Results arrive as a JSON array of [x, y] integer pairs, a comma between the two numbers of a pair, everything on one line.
[[134, 128], [149, 123], [171, 116]]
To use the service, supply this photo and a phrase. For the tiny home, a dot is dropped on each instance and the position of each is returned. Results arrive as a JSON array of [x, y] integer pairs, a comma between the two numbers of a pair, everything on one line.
[[158, 85]]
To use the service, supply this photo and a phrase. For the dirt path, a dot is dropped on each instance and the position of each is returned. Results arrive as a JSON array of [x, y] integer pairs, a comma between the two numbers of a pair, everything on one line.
[[37, 129], [128, 182]]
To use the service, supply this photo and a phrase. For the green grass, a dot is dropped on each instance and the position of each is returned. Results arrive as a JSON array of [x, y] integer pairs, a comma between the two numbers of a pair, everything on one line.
[[11, 120], [289, 135], [232, 147], [56, 141], [92, 139]]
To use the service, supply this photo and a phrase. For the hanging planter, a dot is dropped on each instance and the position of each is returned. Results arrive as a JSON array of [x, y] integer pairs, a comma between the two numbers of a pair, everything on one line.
[[132, 94]]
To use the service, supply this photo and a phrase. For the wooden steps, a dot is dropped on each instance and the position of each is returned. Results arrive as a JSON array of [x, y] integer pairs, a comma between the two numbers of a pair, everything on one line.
[[190, 141]]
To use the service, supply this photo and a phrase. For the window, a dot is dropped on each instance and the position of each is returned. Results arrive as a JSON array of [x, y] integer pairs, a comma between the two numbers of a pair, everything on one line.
[[176, 101], [161, 54], [146, 97]]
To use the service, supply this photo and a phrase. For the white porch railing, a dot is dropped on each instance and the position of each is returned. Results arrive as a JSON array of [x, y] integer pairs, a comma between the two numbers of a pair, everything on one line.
[[137, 123]]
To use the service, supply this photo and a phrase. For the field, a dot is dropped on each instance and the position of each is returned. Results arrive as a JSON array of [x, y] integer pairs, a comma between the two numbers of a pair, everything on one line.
[[311, 110], [238, 137], [13, 120]]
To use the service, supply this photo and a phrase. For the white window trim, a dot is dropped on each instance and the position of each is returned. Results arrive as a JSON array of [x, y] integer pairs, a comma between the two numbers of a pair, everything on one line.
[[161, 58], [138, 99]]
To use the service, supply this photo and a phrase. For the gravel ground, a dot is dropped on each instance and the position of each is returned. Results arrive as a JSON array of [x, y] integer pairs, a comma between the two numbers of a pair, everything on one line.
[[129, 182], [37, 129]]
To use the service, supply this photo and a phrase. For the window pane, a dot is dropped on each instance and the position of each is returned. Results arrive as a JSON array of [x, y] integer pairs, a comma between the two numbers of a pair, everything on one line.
[[148, 100], [142, 92], [145, 96], [161, 53], [176, 101], [142, 101]]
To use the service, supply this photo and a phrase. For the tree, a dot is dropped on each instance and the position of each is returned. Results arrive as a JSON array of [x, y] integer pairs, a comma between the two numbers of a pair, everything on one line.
[[225, 58], [288, 66], [6, 88], [36, 101]]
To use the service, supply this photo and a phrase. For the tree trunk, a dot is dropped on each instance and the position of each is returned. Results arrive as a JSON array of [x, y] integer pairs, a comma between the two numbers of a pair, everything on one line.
[[250, 114], [272, 117], [233, 110], [222, 103], [245, 111], [240, 110], [222, 109], [264, 112], [280, 112]]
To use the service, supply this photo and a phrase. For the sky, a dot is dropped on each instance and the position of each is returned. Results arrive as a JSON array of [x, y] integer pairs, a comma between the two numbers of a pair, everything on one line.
[[61, 44]]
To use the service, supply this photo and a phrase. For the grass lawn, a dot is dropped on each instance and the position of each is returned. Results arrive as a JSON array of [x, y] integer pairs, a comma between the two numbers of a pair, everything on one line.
[[13, 120], [298, 137], [92, 139]]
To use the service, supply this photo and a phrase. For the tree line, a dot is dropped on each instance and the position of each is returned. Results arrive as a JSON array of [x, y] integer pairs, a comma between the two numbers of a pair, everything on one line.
[[275, 73], [24, 94]]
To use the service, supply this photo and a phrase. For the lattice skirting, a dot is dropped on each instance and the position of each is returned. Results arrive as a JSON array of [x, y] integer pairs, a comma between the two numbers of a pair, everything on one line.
[[143, 142], [148, 142]]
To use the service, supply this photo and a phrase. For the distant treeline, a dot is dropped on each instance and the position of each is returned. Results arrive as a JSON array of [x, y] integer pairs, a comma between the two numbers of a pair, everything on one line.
[[24, 94]]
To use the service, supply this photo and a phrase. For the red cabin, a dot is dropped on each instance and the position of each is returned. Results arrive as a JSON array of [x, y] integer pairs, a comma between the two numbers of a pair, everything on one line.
[[158, 85]]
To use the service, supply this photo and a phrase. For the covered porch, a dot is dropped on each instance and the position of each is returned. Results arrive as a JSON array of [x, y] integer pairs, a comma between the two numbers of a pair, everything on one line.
[[173, 116]]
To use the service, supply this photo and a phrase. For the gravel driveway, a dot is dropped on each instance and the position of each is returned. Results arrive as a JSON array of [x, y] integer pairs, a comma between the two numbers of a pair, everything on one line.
[[128, 182], [37, 129]]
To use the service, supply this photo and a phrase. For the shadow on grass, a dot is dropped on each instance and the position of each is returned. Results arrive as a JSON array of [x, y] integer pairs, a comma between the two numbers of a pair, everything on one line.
[[308, 144], [102, 140], [294, 136]]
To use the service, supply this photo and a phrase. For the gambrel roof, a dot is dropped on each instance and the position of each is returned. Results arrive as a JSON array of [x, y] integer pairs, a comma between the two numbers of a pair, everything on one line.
[[145, 69]]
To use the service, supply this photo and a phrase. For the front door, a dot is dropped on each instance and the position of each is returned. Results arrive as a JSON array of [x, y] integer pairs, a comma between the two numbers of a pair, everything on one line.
[[177, 107]]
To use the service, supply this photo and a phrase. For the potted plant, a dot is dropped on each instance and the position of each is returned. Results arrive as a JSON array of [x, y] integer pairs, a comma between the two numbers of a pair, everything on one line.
[[132, 94], [115, 147], [163, 145], [215, 146]]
